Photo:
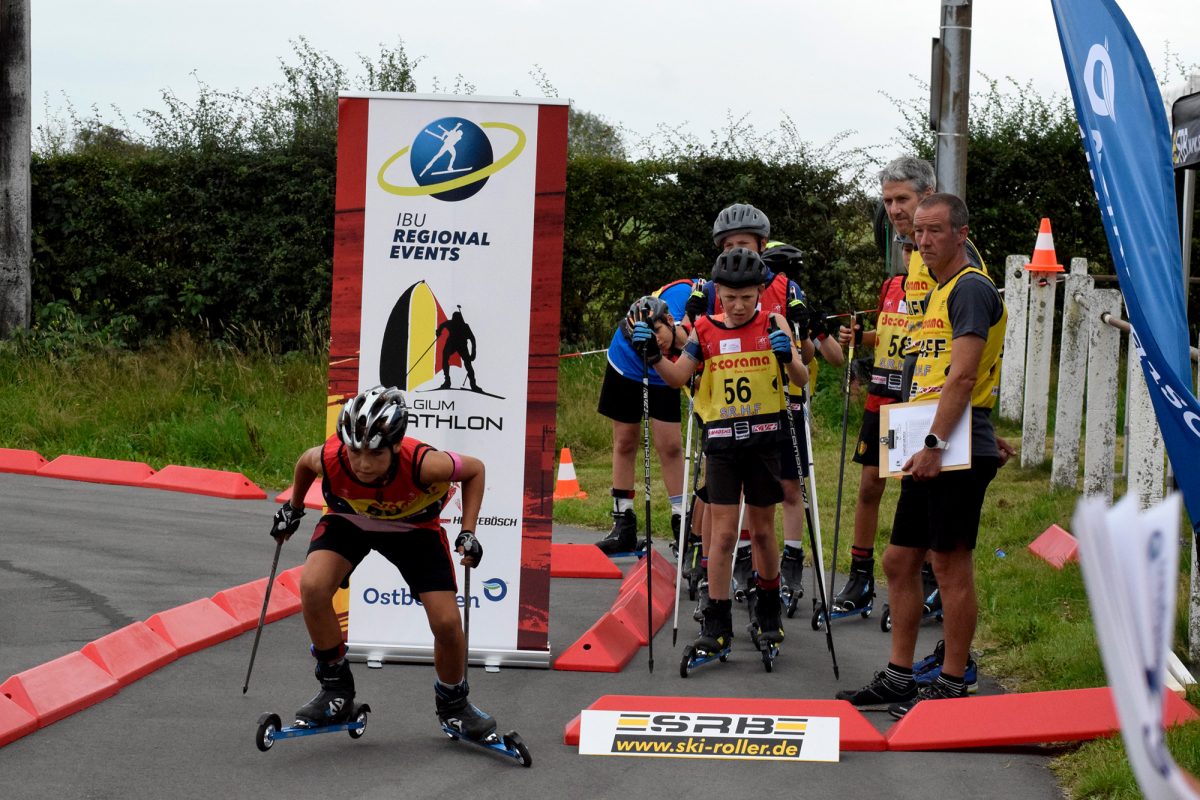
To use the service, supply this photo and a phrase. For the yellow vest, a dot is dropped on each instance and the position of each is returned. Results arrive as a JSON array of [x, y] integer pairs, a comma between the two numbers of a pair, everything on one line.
[[739, 398], [918, 286], [934, 343]]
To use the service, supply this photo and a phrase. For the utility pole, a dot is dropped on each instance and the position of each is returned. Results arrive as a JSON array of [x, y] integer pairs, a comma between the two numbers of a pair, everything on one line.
[[950, 96], [15, 145]]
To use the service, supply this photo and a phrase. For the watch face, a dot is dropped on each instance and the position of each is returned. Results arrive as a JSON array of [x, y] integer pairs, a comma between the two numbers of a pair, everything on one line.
[[931, 441]]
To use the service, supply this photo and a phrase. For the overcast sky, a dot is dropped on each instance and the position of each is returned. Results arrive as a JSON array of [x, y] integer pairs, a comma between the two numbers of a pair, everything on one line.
[[828, 64]]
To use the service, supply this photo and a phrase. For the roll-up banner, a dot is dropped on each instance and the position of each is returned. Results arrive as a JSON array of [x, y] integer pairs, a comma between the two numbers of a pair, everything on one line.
[[447, 273], [1185, 132]]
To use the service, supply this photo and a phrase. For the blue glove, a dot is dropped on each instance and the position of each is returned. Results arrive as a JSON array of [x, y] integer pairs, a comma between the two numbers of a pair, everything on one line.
[[469, 546], [644, 341], [781, 343]]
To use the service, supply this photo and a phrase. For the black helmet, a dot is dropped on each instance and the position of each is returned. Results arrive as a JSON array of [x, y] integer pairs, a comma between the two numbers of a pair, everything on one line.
[[741, 217], [739, 267], [376, 418], [782, 257], [649, 309]]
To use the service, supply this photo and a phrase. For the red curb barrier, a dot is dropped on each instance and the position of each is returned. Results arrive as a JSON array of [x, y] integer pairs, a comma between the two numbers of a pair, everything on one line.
[[630, 609], [1068, 715], [213, 482], [290, 578], [581, 561], [194, 626], [312, 498], [605, 647], [97, 470], [1055, 546], [22, 462], [59, 688], [244, 603], [15, 721], [130, 653], [856, 732]]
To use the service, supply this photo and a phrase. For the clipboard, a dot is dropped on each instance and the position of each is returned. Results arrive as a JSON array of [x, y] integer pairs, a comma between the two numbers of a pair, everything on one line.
[[902, 431]]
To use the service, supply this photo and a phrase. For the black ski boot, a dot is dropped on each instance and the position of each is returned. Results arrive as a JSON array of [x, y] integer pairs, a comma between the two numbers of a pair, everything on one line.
[[859, 589], [455, 711], [623, 536], [332, 705], [791, 577], [716, 630], [743, 567], [767, 608], [701, 600]]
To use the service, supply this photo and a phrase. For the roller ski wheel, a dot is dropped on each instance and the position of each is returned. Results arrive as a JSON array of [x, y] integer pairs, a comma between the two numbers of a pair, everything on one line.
[[791, 600], [510, 745], [885, 621], [769, 654], [271, 728], [694, 658]]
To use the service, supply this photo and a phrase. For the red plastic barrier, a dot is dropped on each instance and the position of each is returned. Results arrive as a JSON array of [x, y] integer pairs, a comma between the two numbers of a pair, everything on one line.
[[581, 561], [312, 498], [59, 688], [1055, 546], [15, 721], [291, 579], [194, 626], [606, 647], [22, 462], [213, 482], [855, 731], [1002, 720], [130, 653], [97, 470], [244, 603]]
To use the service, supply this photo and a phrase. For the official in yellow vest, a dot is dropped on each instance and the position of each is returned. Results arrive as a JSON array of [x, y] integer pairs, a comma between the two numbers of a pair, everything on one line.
[[958, 365]]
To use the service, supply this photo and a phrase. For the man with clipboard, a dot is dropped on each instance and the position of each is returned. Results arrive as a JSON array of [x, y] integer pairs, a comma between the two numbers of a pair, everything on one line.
[[958, 367]]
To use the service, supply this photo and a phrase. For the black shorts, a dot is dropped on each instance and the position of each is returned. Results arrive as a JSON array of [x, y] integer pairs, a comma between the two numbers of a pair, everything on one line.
[[866, 452], [621, 399], [943, 514], [787, 453], [422, 555], [752, 471]]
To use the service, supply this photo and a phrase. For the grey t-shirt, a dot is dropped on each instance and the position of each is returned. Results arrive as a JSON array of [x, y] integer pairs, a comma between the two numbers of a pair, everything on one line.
[[974, 307]]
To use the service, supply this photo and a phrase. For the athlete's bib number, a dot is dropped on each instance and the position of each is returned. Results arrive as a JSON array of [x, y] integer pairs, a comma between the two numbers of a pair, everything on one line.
[[737, 390]]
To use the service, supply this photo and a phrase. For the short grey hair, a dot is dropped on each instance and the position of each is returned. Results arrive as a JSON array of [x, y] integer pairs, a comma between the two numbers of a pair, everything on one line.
[[959, 216], [908, 169]]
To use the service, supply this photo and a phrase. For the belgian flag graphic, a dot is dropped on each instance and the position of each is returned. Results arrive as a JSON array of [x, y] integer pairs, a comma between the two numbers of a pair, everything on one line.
[[412, 350]]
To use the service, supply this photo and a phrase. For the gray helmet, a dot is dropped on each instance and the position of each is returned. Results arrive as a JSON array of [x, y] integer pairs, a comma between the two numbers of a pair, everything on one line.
[[376, 418], [739, 267], [649, 309], [782, 257], [741, 217]]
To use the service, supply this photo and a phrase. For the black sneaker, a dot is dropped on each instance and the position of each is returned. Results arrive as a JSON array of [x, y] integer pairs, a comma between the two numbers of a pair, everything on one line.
[[938, 690], [878, 693], [623, 536]]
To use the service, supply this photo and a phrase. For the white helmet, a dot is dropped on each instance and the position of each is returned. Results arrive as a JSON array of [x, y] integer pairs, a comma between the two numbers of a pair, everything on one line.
[[376, 418]]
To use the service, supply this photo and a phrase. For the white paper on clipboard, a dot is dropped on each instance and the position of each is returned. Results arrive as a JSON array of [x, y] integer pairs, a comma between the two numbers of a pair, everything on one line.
[[902, 431]]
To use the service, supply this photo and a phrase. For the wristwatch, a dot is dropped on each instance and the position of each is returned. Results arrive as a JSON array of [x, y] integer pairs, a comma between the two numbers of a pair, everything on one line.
[[932, 442]]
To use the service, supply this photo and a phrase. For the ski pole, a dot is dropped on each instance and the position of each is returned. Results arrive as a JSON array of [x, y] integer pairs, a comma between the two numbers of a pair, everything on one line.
[[466, 621], [837, 514], [683, 521], [646, 470], [262, 617], [787, 404]]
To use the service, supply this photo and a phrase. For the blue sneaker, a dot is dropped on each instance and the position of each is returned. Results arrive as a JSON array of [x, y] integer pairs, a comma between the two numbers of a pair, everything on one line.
[[927, 670]]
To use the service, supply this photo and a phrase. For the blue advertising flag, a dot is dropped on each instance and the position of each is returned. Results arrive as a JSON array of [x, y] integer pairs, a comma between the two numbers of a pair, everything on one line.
[[1128, 143]]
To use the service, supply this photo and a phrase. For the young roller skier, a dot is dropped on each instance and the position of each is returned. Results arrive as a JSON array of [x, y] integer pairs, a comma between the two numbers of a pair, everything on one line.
[[385, 492]]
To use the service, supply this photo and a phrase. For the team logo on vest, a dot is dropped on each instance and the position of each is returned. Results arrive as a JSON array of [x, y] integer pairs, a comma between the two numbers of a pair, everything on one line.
[[451, 158]]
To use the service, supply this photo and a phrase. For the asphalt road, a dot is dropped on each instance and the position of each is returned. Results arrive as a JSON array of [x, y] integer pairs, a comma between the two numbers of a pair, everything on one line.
[[80, 560]]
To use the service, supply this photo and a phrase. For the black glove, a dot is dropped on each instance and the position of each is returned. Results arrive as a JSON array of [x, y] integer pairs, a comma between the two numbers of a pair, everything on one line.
[[799, 315], [697, 303], [287, 520], [469, 546]]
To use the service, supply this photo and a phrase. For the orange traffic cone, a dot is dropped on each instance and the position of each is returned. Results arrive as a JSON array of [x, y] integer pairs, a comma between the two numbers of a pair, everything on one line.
[[1044, 259], [567, 485]]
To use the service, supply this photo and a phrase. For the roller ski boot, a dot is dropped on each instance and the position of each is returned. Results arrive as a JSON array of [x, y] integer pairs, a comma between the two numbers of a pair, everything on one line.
[[857, 596], [693, 573], [715, 640], [743, 568], [622, 540], [791, 575], [701, 600], [931, 605], [767, 622], [463, 722], [330, 711]]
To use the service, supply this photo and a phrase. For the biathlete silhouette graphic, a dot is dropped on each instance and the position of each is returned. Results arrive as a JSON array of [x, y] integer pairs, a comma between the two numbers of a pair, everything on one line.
[[460, 341], [450, 139]]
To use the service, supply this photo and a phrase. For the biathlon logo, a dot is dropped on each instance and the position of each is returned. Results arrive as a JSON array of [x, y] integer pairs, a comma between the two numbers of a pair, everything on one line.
[[495, 589], [451, 158]]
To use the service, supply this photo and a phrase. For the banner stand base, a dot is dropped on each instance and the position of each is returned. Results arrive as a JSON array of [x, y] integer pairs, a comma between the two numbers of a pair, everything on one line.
[[376, 655]]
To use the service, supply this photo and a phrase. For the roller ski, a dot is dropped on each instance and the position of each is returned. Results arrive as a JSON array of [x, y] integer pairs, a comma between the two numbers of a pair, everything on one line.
[[791, 573], [331, 710], [857, 596], [715, 641], [931, 606], [766, 624], [463, 722]]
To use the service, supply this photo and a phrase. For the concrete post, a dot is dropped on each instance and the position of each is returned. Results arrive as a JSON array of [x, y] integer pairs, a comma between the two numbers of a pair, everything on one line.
[[15, 120], [1012, 371], [1072, 366], [954, 82], [1144, 449], [1042, 291], [1100, 438]]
